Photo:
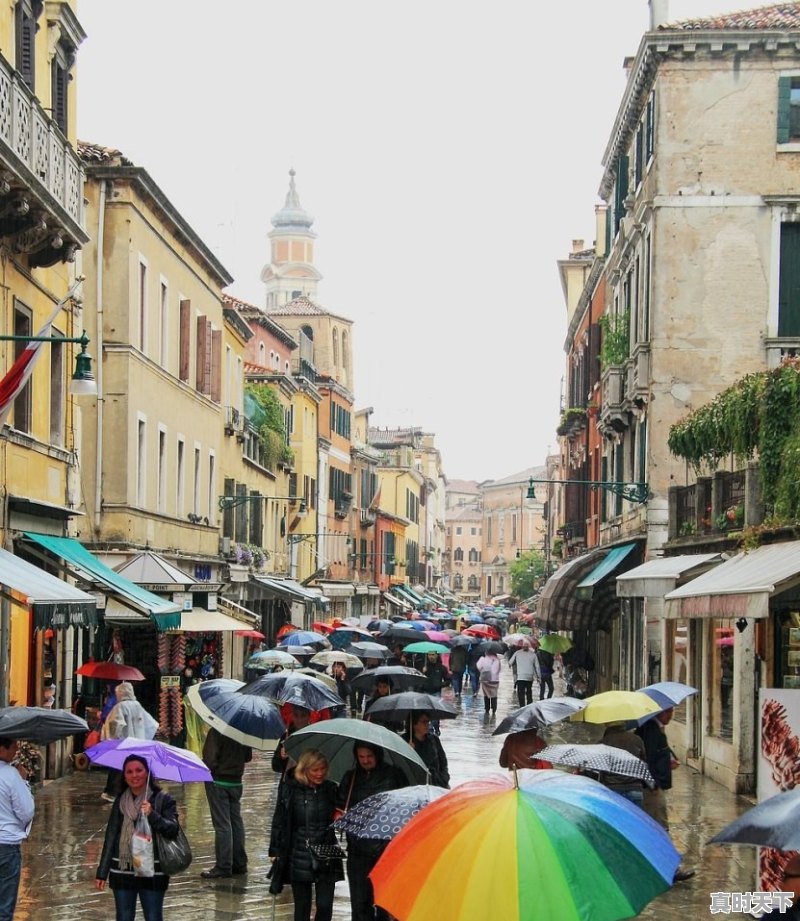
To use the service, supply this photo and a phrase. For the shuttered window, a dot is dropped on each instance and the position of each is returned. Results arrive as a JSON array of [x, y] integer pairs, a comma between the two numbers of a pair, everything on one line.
[[25, 27], [58, 88], [788, 109], [184, 338], [789, 293]]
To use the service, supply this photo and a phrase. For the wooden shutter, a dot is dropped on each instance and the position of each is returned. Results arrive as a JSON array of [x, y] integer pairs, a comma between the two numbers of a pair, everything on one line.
[[185, 337], [201, 345], [242, 515], [227, 515], [58, 89], [789, 293], [784, 106], [216, 366], [256, 520], [26, 42]]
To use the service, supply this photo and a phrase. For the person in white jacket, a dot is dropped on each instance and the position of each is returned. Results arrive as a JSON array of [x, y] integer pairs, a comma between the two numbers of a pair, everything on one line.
[[527, 671], [489, 671], [127, 719]]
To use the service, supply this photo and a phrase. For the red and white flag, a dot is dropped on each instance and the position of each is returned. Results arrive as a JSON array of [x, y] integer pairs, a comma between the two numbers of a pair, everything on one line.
[[18, 374]]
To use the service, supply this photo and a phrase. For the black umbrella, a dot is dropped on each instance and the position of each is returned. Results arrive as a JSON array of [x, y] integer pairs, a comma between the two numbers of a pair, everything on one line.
[[461, 640], [402, 705], [494, 646], [401, 635], [773, 823], [381, 816], [368, 650], [290, 688], [39, 724], [539, 714], [401, 678]]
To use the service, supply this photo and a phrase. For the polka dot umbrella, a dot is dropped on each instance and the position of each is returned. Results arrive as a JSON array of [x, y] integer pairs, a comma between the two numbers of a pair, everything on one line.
[[381, 816]]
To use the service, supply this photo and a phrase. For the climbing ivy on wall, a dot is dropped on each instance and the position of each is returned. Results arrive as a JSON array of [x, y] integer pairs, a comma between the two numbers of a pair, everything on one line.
[[757, 417]]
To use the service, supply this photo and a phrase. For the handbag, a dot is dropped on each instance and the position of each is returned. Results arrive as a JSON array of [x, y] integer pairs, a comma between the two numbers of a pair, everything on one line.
[[174, 854], [326, 853]]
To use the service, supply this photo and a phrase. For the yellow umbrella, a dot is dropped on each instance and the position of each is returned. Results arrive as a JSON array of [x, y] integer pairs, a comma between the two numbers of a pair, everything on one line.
[[616, 707]]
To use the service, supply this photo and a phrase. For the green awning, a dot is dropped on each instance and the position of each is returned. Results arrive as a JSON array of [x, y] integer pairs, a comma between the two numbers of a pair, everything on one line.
[[86, 567], [416, 595], [604, 569], [402, 592]]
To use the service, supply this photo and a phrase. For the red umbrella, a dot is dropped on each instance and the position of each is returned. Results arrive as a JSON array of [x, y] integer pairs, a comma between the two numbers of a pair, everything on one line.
[[253, 634], [482, 630], [110, 671], [319, 627]]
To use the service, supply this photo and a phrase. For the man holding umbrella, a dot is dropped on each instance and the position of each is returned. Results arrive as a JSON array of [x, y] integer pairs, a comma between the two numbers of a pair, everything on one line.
[[16, 815], [226, 759]]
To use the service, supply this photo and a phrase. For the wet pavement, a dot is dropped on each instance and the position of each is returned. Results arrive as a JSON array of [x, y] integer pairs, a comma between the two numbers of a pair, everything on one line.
[[61, 855]]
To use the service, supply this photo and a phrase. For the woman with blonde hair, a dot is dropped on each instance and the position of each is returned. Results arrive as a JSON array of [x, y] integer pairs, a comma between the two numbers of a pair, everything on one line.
[[303, 816]]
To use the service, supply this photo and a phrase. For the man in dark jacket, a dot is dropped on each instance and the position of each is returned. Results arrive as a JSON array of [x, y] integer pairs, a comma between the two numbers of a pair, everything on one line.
[[370, 775], [226, 758], [458, 665]]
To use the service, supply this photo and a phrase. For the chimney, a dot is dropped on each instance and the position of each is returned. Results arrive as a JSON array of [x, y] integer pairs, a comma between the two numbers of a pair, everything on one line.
[[577, 246], [659, 13]]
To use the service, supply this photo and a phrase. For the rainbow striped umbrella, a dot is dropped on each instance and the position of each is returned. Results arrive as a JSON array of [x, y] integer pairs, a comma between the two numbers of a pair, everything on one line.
[[554, 846]]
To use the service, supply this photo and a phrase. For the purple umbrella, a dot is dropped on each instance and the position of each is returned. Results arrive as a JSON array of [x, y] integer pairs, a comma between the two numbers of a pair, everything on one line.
[[165, 761]]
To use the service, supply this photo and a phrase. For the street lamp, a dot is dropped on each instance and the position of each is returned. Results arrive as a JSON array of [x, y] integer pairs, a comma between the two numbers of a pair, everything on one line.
[[226, 502], [631, 492]]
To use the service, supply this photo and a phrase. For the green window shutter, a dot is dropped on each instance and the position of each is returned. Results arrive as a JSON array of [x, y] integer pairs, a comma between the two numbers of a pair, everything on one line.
[[784, 102], [789, 292]]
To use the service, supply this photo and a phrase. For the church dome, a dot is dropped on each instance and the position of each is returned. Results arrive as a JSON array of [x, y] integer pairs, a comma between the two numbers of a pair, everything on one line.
[[292, 215]]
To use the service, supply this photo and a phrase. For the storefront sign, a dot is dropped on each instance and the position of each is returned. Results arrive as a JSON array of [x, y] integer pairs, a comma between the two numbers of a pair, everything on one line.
[[170, 681]]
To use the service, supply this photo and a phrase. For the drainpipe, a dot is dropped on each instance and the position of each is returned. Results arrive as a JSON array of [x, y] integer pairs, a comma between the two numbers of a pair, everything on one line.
[[98, 464]]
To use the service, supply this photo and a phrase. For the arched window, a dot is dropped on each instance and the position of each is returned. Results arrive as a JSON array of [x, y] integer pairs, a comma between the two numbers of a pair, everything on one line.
[[345, 350], [335, 335], [472, 583], [262, 355], [308, 331], [458, 555], [287, 368], [458, 581], [474, 556]]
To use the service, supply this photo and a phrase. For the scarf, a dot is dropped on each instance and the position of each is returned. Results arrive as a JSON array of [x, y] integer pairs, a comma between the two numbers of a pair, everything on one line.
[[130, 808]]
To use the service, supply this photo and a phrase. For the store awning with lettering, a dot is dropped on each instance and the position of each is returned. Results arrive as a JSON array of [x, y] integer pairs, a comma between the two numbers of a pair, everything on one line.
[[53, 602], [89, 569], [741, 586], [656, 578]]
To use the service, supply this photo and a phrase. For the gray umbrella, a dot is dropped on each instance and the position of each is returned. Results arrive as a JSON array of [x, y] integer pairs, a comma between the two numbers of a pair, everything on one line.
[[39, 724], [335, 739], [401, 678], [406, 703], [773, 823], [600, 759], [539, 714], [381, 816]]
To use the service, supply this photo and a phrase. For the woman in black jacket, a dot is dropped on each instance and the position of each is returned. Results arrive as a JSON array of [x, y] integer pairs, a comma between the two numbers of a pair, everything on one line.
[[303, 816], [429, 748], [368, 776], [138, 795]]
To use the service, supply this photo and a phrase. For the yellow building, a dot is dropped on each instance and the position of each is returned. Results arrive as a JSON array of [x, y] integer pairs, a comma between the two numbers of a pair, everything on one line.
[[41, 231]]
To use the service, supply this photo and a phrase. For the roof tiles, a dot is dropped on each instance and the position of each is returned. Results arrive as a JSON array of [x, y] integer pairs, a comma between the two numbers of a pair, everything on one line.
[[777, 16]]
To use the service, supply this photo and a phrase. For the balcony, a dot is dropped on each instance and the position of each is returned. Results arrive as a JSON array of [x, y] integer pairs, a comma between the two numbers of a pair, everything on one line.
[[614, 414], [367, 517], [637, 388], [716, 506], [41, 179]]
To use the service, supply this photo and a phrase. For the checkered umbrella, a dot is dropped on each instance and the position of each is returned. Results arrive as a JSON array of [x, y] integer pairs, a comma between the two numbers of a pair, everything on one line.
[[599, 759], [381, 816]]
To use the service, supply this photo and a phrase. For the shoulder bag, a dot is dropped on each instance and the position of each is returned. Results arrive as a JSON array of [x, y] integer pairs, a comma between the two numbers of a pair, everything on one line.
[[174, 854]]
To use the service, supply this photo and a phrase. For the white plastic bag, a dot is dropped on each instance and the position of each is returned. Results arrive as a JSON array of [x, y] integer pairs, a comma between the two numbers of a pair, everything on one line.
[[142, 848]]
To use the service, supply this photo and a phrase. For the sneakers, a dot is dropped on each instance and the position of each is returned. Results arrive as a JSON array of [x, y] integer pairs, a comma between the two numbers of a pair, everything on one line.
[[107, 797]]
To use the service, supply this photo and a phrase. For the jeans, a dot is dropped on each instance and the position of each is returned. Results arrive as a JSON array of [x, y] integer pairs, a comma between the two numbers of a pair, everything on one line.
[[362, 896], [457, 681], [635, 796], [302, 893], [474, 680], [525, 692], [546, 682], [10, 869], [152, 904], [226, 817]]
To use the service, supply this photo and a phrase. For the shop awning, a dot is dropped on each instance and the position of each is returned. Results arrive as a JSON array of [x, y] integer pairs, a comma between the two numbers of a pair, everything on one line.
[[413, 594], [739, 587], [54, 603], [406, 595], [655, 578], [287, 588], [606, 569], [150, 569], [560, 604], [397, 602], [89, 569], [198, 620], [244, 616], [337, 589]]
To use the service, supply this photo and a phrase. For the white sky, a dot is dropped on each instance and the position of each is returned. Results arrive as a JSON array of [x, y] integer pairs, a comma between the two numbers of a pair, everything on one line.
[[449, 151]]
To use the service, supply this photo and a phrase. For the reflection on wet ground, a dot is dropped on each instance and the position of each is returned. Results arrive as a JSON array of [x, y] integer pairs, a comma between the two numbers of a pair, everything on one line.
[[61, 855]]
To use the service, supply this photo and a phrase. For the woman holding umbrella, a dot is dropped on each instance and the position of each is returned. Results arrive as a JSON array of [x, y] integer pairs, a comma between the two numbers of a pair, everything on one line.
[[369, 775], [138, 796], [430, 749], [303, 816]]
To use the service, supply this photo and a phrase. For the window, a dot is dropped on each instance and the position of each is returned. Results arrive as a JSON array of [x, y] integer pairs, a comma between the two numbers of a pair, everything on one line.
[[22, 403], [345, 350], [25, 15], [59, 84], [203, 356], [180, 485], [164, 321], [473, 531], [458, 555], [335, 336], [142, 306], [161, 498], [212, 485], [473, 585], [789, 285], [721, 684], [141, 462], [458, 581], [788, 109], [458, 529], [474, 556], [196, 494], [56, 392], [185, 340]]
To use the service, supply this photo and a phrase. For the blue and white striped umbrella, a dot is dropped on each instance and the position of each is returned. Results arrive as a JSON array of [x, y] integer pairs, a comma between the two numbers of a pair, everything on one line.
[[250, 720]]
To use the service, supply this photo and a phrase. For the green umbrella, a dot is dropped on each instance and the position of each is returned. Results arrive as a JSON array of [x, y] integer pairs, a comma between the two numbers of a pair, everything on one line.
[[554, 643], [426, 646], [335, 739]]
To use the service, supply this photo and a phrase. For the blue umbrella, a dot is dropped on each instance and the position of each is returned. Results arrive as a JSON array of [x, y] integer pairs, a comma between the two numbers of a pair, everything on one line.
[[668, 693], [246, 718], [412, 624], [298, 690], [342, 637], [303, 638]]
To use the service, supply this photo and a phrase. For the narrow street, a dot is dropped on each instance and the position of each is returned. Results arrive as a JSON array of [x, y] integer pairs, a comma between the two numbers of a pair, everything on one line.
[[62, 853]]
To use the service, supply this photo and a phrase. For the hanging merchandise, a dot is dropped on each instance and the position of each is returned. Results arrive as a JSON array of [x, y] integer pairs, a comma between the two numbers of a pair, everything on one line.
[[162, 660]]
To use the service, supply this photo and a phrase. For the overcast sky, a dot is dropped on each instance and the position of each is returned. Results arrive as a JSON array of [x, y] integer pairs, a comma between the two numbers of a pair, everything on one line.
[[449, 151]]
